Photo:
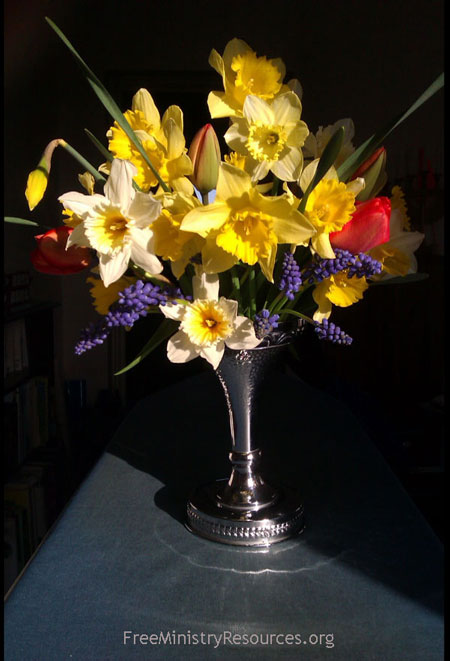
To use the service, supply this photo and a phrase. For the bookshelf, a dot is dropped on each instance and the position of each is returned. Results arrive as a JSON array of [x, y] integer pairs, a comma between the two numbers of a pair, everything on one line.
[[35, 456]]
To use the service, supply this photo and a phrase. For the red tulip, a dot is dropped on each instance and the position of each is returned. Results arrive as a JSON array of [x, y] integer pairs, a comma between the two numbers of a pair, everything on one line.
[[51, 255], [367, 228]]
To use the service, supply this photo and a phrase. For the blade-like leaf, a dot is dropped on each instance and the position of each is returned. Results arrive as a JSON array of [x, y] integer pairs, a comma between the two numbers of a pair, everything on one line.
[[327, 159], [164, 330], [109, 103], [352, 163], [19, 221], [102, 149]]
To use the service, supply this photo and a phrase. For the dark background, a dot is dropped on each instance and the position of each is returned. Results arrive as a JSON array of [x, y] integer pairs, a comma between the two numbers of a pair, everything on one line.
[[368, 61]]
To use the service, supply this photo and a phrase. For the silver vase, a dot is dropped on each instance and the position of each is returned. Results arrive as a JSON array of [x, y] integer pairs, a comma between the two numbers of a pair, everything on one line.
[[246, 510]]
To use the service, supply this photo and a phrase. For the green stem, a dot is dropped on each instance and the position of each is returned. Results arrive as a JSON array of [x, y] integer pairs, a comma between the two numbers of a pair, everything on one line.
[[252, 293], [281, 304], [205, 198], [90, 168], [275, 302], [276, 183], [297, 314]]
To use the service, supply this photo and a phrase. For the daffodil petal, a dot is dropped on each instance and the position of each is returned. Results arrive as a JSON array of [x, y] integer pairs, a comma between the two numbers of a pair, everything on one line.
[[243, 336], [321, 244], [309, 172], [143, 101], [407, 242], [173, 311], [324, 304], [213, 354], [232, 182], [78, 237], [286, 108], [218, 107], [206, 286], [112, 267], [230, 307], [144, 209], [180, 349], [79, 203], [289, 166], [215, 259], [205, 219], [256, 109], [119, 188], [236, 136], [175, 139], [140, 254]]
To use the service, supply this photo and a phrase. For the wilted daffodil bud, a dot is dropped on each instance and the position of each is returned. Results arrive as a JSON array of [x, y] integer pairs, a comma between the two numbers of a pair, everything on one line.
[[38, 178], [204, 153]]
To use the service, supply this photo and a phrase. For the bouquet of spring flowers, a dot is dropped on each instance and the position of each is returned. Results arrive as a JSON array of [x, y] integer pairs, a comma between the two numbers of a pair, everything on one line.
[[224, 247]]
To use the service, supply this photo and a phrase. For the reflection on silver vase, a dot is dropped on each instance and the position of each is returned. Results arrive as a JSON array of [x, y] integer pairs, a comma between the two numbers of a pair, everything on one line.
[[245, 510]]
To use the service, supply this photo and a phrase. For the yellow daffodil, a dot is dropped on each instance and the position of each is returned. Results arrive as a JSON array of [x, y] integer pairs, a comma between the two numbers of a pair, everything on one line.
[[329, 206], [168, 241], [337, 290], [316, 143], [244, 73], [270, 135], [207, 325], [163, 141], [103, 296], [242, 224], [397, 254], [116, 224]]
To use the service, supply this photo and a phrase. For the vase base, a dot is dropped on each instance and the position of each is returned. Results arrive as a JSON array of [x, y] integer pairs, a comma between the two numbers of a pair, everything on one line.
[[263, 527]]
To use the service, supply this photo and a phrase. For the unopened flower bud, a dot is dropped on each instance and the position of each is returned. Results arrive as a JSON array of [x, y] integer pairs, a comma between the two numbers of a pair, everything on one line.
[[204, 153], [373, 171], [38, 178]]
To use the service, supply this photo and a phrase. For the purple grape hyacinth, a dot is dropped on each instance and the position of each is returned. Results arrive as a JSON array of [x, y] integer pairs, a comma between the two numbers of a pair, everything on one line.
[[291, 278], [264, 323], [133, 303], [359, 265], [327, 330]]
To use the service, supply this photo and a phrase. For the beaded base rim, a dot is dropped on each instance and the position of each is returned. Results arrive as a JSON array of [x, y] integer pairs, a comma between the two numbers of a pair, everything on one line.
[[276, 523]]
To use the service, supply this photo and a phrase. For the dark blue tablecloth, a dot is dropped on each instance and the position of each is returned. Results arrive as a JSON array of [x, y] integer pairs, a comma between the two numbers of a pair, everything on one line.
[[364, 581]]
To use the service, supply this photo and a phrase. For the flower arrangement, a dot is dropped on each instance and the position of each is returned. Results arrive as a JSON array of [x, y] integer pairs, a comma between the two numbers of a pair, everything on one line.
[[224, 247]]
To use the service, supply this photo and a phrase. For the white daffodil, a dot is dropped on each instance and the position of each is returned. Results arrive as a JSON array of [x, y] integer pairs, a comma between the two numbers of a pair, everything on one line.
[[116, 224], [207, 325], [315, 144], [271, 135]]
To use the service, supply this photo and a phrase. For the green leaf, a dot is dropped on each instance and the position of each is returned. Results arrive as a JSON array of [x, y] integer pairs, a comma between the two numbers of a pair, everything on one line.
[[401, 279], [327, 159], [102, 149], [353, 162], [82, 161], [19, 221], [164, 330], [109, 103], [372, 177]]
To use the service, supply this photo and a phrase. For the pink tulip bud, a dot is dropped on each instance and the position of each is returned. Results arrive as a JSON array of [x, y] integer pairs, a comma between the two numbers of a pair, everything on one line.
[[51, 255], [204, 153], [367, 228]]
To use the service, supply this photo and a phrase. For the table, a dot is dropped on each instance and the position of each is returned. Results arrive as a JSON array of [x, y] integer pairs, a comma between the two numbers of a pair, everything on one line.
[[119, 577]]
